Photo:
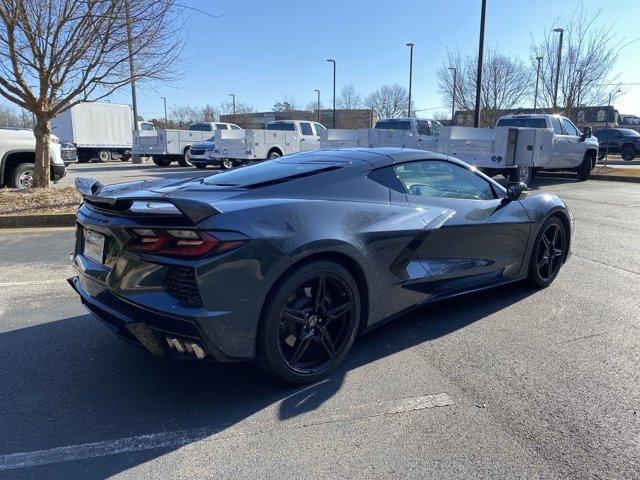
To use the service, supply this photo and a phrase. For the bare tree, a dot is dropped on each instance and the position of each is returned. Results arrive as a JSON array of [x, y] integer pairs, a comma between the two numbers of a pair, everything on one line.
[[589, 53], [55, 54], [227, 107], [506, 83], [288, 104], [183, 115], [349, 98], [389, 101], [208, 113], [10, 117]]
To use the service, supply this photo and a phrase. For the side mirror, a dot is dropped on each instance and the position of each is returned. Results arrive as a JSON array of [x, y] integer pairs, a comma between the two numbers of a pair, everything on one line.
[[586, 133], [515, 190]]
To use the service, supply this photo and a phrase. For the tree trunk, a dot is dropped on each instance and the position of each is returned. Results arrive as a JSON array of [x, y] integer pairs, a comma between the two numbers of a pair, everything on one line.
[[41, 171]]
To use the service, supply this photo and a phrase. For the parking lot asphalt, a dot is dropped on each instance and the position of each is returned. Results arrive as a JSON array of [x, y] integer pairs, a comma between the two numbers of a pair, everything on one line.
[[509, 383]]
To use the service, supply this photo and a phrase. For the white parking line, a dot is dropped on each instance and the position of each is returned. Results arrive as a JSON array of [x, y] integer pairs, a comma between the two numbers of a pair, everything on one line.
[[183, 437], [61, 281]]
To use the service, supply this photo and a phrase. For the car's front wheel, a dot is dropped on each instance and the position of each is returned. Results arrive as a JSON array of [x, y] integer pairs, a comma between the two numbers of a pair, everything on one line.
[[548, 253], [309, 323], [628, 153]]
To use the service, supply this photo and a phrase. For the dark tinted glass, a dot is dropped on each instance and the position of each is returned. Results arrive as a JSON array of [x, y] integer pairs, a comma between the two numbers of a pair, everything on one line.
[[387, 176], [221, 126], [393, 125], [602, 134], [423, 127], [305, 128], [286, 127], [265, 172], [628, 132], [200, 127], [522, 122]]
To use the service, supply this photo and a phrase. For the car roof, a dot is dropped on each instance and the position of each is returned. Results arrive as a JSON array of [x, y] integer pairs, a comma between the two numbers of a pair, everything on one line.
[[377, 157]]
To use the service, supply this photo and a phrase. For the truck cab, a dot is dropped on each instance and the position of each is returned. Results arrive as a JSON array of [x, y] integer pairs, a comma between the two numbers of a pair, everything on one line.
[[420, 126]]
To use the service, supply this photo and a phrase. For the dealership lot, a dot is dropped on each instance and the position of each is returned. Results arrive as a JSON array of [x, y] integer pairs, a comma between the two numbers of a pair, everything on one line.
[[512, 382]]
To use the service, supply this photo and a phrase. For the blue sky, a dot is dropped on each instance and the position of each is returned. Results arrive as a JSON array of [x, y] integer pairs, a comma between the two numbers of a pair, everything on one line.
[[262, 50]]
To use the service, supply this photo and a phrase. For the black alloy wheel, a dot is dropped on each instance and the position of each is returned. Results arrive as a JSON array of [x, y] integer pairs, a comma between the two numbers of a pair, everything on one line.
[[548, 253], [311, 323]]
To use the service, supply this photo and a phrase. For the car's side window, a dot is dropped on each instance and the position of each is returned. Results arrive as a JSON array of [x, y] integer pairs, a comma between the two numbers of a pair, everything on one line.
[[436, 178], [305, 128], [234, 127], [569, 128], [557, 128], [423, 127], [319, 128]]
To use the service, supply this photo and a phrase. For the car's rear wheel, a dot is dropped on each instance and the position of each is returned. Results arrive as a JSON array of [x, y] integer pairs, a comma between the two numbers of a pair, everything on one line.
[[184, 160], [628, 153], [104, 156], [22, 176], [522, 173], [161, 161], [227, 163], [548, 253], [309, 323], [274, 154]]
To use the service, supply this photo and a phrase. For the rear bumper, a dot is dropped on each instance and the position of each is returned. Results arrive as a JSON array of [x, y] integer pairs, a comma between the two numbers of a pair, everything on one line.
[[143, 327], [203, 160]]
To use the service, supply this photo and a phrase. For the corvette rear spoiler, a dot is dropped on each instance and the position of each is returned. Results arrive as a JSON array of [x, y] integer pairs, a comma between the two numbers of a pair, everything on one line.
[[194, 210]]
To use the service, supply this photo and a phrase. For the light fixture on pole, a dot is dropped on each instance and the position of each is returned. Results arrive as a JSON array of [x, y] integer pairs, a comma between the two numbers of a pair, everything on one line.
[[535, 96], [318, 92], [558, 61], [410, 45], [334, 90], [164, 99], [617, 90], [233, 97], [476, 114], [453, 94]]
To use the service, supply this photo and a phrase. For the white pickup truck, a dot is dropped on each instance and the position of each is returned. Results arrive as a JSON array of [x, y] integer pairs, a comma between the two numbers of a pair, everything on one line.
[[517, 147], [169, 145], [17, 157], [280, 138]]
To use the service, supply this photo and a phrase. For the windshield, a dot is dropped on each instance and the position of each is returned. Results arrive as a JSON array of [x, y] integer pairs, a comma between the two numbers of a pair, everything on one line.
[[288, 127], [522, 122], [628, 132], [393, 125]]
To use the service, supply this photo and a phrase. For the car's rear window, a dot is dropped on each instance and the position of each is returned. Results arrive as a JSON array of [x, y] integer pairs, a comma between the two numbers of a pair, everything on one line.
[[393, 125], [522, 122], [266, 173], [287, 127]]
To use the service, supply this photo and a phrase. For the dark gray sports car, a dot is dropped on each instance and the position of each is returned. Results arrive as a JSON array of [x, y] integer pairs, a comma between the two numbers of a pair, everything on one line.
[[287, 261]]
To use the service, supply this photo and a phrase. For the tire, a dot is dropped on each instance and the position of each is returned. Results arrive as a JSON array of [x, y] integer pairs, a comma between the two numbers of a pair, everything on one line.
[[201, 166], [521, 173], [309, 342], [184, 160], [542, 273], [628, 153], [584, 170], [227, 163], [274, 154], [104, 156], [161, 161], [22, 176]]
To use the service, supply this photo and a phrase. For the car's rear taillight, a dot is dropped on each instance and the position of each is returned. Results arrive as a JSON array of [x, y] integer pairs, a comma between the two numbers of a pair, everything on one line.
[[178, 242]]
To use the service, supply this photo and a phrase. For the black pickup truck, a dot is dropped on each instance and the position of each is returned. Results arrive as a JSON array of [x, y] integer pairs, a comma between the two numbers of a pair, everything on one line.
[[618, 141]]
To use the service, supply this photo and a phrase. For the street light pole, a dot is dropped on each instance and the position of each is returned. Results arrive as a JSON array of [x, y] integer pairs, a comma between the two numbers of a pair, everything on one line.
[[535, 96], [453, 94], [132, 71], [476, 115], [233, 97], [606, 122], [410, 45], [165, 108], [555, 88], [318, 92], [334, 90]]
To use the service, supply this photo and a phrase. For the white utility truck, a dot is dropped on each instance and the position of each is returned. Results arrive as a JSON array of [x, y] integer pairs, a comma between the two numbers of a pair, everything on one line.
[[169, 145], [99, 130], [17, 158], [279, 138], [517, 147]]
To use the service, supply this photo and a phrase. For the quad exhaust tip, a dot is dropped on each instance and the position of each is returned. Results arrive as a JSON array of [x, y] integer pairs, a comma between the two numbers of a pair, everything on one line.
[[186, 346]]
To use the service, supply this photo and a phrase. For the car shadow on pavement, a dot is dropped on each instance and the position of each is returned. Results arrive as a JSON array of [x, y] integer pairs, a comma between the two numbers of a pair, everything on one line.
[[70, 382]]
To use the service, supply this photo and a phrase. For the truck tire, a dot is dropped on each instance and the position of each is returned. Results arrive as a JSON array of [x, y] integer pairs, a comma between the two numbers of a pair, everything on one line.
[[161, 161], [628, 153], [584, 170], [184, 160], [104, 156], [274, 153], [522, 173], [227, 163], [22, 176]]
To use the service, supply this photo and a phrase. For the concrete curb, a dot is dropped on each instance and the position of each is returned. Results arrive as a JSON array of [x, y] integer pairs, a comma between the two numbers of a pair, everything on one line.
[[609, 178], [44, 220]]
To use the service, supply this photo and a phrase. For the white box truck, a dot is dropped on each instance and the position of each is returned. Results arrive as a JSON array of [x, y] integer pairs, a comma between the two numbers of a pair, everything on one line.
[[99, 130]]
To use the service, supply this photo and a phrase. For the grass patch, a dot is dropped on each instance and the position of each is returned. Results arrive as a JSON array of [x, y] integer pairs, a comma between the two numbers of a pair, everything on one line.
[[38, 201]]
